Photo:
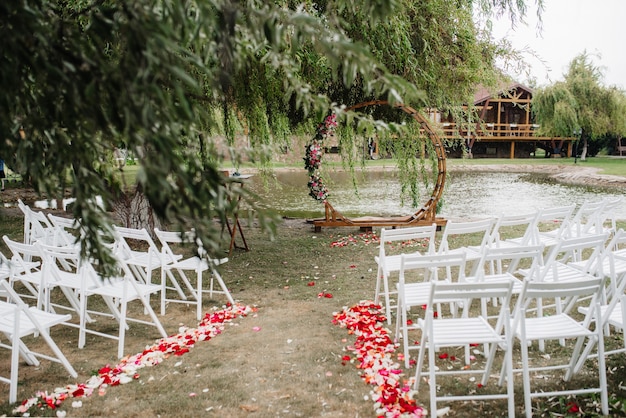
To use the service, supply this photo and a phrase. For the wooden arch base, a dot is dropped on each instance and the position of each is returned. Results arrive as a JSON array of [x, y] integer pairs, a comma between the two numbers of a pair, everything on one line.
[[426, 215]]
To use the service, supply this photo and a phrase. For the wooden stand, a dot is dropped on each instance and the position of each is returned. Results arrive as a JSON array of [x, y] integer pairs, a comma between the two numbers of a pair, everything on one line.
[[236, 227]]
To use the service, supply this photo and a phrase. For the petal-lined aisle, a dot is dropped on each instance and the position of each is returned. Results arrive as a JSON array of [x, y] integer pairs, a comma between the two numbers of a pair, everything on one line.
[[128, 369], [374, 353]]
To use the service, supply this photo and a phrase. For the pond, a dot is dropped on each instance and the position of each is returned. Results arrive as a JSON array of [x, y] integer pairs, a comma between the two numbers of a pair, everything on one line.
[[467, 194]]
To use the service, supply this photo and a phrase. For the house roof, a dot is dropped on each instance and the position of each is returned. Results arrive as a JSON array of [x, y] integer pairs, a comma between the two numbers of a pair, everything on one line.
[[483, 93]]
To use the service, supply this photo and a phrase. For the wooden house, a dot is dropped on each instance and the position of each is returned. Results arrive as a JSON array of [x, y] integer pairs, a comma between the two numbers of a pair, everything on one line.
[[505, 129]]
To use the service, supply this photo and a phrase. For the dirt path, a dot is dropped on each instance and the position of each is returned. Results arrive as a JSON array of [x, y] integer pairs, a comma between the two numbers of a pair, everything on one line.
[[567, 174]]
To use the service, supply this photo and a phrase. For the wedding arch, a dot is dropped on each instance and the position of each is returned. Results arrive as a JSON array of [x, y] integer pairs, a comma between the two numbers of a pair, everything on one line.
[[425, 215]]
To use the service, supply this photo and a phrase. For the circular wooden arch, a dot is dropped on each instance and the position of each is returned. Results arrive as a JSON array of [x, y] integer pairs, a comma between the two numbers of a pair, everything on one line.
[[427, 213]]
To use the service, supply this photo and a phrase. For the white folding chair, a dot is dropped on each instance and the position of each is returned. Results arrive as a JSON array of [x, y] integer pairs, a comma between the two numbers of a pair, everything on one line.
[[416, 240], [118, 291], [65, 230], [469, 328], [511, 224], [61, 269], [557, 269], [416, 273], [478, 230], [26, 269], [609, 216], [612, 260], [551, 224], [499, 264], [83, 283], [198, 264], [37, 227], [137, 249], [613, 312], [573, 258], [587, 219], [559, 325], [17, 321]]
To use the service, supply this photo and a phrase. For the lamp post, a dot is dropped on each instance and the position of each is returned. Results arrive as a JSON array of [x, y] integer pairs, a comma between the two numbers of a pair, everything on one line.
[[577, 133]]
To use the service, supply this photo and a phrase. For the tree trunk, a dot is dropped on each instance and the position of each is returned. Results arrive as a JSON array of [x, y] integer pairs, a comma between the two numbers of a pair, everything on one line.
[[583, 154], [134, 211]]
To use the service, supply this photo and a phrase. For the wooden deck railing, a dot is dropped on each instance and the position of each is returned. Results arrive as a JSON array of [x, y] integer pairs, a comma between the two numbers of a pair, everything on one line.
[[496, 132]]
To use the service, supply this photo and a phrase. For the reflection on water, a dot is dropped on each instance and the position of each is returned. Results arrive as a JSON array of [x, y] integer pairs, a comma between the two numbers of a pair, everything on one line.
[[468, 194]]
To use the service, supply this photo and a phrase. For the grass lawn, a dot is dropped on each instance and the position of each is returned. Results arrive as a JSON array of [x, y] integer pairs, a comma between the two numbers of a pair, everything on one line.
[[286, 359]]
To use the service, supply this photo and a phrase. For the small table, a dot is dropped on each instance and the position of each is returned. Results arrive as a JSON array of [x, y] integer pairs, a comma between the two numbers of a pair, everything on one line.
[[237, 180]]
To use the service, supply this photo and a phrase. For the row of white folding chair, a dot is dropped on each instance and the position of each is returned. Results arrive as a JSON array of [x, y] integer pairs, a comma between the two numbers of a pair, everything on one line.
[[116, 292], [49, 229], [142, 262], [18, 320], [61, 231], [81, 281], [388, 264], [589, 218], [466, 329], [567, 221], [487, 233], [500, 264], [174, 267]]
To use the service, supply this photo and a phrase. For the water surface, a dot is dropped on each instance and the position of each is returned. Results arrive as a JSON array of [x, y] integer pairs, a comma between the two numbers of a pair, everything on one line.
[[467, 194]]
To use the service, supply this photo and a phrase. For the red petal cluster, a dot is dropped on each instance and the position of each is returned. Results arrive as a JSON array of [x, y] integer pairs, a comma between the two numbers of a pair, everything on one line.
[[374, 351]]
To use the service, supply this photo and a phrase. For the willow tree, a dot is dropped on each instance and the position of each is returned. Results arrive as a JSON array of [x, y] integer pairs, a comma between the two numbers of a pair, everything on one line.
[[160, 78], [580, 105]]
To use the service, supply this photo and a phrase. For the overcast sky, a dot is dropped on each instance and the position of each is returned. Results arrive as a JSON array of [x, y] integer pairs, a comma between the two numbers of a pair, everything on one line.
[[569, 28]]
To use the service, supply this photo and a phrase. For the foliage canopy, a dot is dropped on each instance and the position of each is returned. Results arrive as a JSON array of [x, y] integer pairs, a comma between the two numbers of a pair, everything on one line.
[[164, 78], [581, 105]]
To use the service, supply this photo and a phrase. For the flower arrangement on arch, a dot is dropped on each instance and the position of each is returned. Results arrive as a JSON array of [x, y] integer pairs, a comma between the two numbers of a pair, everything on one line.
[[314, 152]]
